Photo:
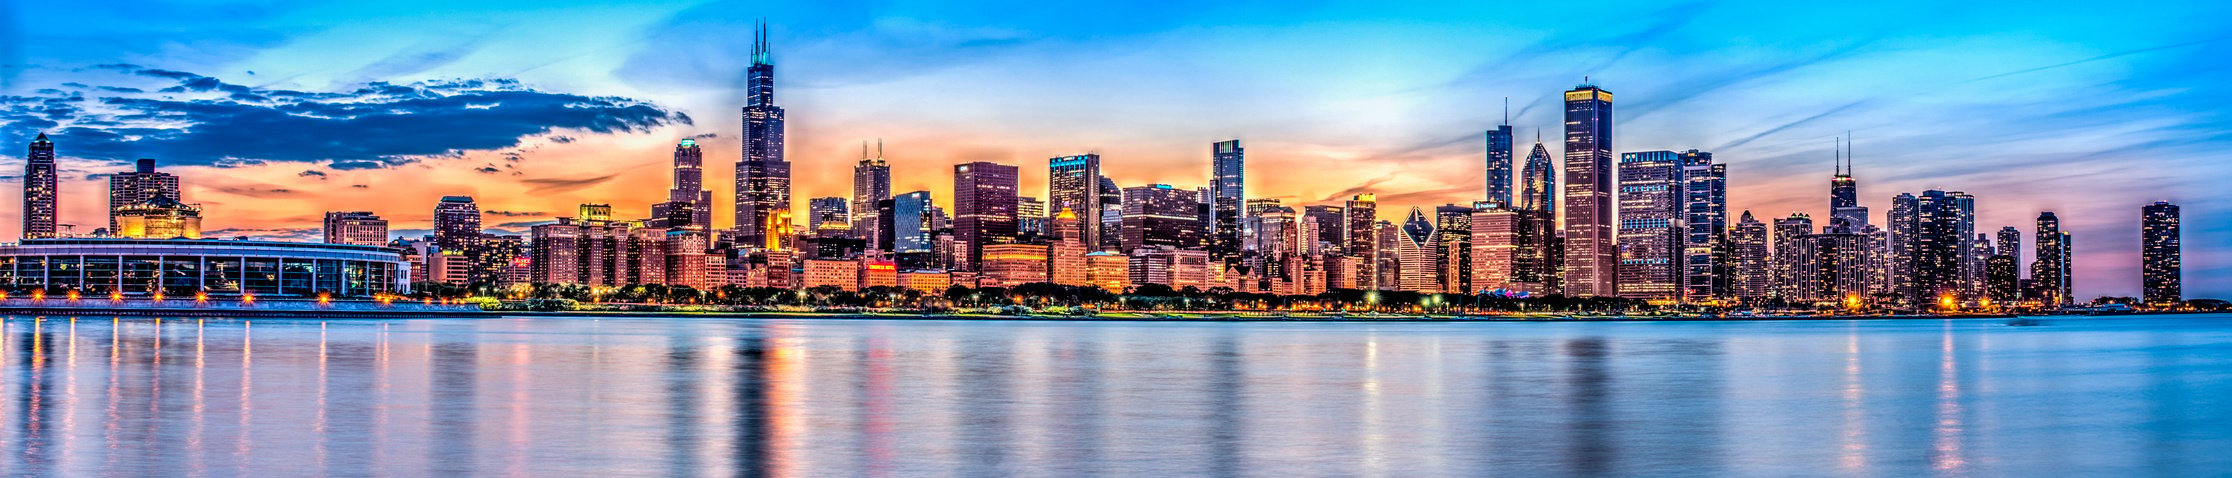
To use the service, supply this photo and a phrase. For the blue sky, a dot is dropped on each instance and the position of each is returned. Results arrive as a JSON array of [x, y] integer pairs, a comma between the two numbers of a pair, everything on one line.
[[279, 110]]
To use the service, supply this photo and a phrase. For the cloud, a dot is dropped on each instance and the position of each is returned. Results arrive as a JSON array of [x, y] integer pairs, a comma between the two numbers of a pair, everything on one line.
[[551, 186], [206, 121], [487, 170], [260, 192], [514, 213], [321, 175]]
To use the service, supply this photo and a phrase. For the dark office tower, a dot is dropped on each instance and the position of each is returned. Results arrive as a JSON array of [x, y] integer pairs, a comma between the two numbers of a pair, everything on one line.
[[871, 184], [689, 188], [1705, 221], [984, 202], [1331, 232], [1934, 246], [1360, 214], [2159, 255], [1111, 212], [2047, 274], [2010, 243], [1591, 265], [1227, 190], [1789, 263], [139, 185], [1747, 243], [827, 214], [1651, 232], [763, 178], [1073, 183], [1499, 166], [1161, 215], [39, 190], [1453, 246], [907, 221], [1539, 182]]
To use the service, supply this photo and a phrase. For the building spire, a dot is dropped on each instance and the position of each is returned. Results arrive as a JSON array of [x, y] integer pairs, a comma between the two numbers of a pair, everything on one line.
[[760, 50], [1507, 111]]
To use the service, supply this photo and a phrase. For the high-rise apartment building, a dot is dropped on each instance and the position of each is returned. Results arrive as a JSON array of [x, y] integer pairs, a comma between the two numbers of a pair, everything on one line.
[[355, 227], [763, 177], [2050, 265], [1453, 246], [1651, 225], [457, 231], [1790, 280], [1935, 244], [1228, 191], [1359, 216], [984, 201], [1747, 251], [2160, 268], [1592, 257], [39, 190]]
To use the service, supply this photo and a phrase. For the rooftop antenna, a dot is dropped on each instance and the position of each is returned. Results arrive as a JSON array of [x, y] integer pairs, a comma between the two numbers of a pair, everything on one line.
[[863, 149], [1848, 152], [879, 148], [1507, 111]]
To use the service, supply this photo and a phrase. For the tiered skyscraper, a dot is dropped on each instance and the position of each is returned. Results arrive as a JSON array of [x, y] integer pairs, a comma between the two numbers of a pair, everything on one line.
[[1073, 183], [688, 199], [1228, 190], [39, 190], [140, 185], [1591, 262], [2160, 267], [763, 178], [871, 184]]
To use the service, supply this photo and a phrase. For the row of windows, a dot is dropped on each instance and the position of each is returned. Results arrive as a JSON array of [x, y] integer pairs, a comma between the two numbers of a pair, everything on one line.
[[185, 275]]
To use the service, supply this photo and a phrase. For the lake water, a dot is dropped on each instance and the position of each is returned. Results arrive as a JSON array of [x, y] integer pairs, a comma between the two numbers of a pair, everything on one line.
[[670, 397]]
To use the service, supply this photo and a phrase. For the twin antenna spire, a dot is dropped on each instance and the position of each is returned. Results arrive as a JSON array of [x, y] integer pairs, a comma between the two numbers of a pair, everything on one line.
[[864, 149], [1843, 154]]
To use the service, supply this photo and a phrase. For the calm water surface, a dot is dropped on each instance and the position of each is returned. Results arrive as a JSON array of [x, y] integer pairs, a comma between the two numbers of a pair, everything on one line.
[[660, 397]]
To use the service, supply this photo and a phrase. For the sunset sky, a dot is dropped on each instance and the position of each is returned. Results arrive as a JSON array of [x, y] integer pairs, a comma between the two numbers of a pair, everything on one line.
[[274, 112]]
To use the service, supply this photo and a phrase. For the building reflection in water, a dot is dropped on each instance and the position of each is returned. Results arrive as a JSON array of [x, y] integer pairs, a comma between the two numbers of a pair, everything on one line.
[[577, 397]]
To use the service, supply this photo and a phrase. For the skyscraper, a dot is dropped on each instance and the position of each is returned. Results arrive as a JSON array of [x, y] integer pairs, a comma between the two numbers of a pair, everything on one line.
[[1499, 166], [2160, 270], [1705, 222], [1539, 182], [1935, 247], [1747, 243], [689, 188], [1790, 257], [355, 227], [871, 183], [828, 214], [2010, 243], [984, 202], [39, 190], [1360, 219], [1414, 248], [457, 230], [1845, 212], [1330, 234], [1161, 215], [1228, 190], [1651, 225], [1591, 263], [2049, 271], [1073, 183], [141, 184], [763, 177]]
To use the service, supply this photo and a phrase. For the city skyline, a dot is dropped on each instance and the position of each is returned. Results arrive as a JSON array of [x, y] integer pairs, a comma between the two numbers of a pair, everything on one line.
[[1774, 169]]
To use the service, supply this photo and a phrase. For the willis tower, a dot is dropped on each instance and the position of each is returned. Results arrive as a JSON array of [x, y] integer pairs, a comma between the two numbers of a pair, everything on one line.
[[763, 178]]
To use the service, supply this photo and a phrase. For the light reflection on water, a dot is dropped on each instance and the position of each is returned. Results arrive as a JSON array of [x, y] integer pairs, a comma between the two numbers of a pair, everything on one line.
[[659, 397]]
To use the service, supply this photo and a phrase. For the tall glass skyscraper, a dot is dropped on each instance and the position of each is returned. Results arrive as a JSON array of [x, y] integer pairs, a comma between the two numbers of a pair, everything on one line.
[[871, 185], [763, 177], [39, 190], [984, 203], [1228, 190], [1705, 223], [1073, 183], [1936, 246], [1539, 181], [1591, 263], [1499, 166], [2050, 265], [2160, 270]]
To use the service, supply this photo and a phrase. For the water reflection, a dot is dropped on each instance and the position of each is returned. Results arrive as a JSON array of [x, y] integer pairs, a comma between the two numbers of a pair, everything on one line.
[[626, 397]]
